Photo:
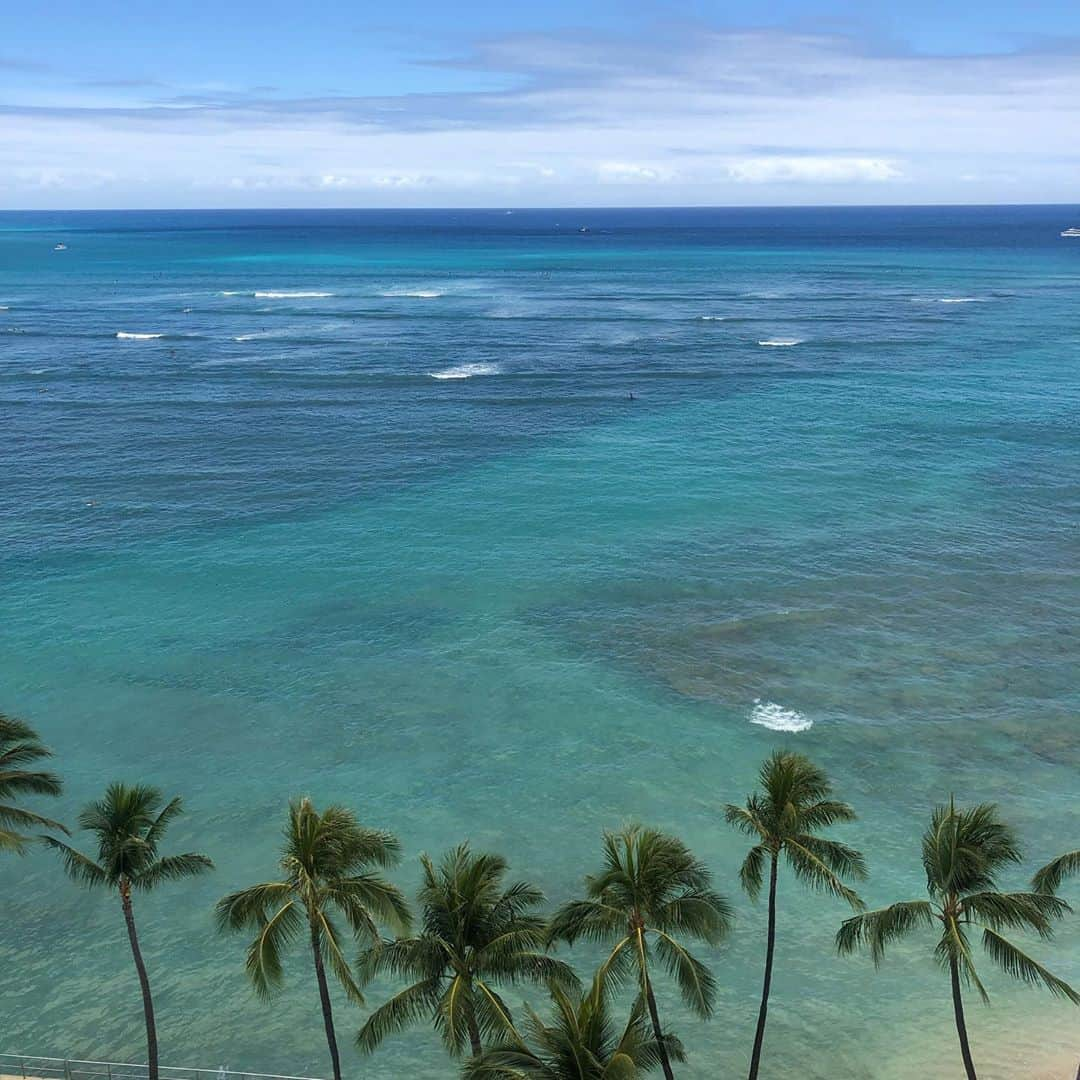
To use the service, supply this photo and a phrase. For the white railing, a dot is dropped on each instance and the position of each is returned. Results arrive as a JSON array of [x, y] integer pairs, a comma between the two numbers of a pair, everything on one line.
[[29, 1067]]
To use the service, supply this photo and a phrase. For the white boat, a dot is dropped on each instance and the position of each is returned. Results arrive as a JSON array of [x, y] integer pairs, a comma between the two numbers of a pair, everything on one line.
[[1074, 231], [60, 247]]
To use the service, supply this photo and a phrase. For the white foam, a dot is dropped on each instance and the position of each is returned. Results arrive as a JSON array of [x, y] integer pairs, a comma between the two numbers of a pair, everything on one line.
[[291, 295], [231, 294], [948, 300], [419, 294], [712, 318], [778, 343], [4, 307], [137, 337], [465, 371], [777, 718]]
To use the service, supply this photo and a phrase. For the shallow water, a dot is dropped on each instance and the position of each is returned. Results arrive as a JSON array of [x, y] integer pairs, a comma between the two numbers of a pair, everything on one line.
[[375, 519]]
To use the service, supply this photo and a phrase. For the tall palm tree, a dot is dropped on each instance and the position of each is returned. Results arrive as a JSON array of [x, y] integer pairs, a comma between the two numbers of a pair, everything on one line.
[[20, 746], [580, 1043], [794, 804], [477, 934], [651, 891], [963, 851], [326, 865], [129, 823]]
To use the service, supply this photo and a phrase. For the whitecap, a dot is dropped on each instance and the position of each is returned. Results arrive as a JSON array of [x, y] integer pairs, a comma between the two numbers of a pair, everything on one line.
[[136, 337], [291, 295], [777, 718], [712, 318], [781, 342], [465, 371], [419, 294], [961, 300], [4, 307]]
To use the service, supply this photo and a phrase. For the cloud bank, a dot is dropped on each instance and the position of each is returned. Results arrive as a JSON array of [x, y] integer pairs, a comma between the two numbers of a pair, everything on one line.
[[695, 116]]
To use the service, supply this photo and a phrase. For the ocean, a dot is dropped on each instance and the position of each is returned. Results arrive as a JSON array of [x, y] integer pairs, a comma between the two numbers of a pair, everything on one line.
[[497, 529]]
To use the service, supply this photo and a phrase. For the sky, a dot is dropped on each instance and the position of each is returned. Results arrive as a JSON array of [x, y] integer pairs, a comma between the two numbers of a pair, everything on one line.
[[238, 103]]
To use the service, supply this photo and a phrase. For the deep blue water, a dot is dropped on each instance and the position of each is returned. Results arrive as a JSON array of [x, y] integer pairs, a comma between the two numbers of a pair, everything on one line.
[[372, 516]]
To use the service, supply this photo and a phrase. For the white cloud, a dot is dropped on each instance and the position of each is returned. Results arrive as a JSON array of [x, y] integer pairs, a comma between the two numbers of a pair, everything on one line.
[[692, 117], [812, 170], [625, 172]]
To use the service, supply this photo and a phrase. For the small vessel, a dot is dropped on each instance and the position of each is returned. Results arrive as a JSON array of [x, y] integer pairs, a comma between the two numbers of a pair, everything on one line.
[[1073, 231], [583, 229], [60, 247]]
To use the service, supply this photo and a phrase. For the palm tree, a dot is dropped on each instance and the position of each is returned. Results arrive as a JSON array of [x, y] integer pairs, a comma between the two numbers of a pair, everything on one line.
[[477, 934], [1050, 877], [963, 851], [129, 823], [651, 891], [793, 805], [580, 1043], [326, 862], [20, 746]]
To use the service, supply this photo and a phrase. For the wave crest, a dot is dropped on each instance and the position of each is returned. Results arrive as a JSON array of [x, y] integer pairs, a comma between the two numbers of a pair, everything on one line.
[[776, 718], [465, 371]]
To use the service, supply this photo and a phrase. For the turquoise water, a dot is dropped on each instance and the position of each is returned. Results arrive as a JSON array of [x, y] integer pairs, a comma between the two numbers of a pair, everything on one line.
[[411, 546]]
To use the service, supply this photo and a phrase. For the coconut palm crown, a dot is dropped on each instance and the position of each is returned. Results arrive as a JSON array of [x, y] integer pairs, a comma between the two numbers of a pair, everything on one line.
[[130, 822], [477, 934], [581, 1042], [326, 864], [963, 853], [651, 892], [783, 819], [20, 746]]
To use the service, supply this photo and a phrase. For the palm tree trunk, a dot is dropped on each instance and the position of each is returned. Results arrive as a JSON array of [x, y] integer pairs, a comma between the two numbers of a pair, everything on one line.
[[474, 1036], [961, 1027], [327, 1009], [650, 1000], [763, 1012], [144, 983]]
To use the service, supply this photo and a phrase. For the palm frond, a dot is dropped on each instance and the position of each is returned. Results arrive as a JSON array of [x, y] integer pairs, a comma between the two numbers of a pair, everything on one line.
[[414, 1003], [1049, 878], [171, 810], [877, 929], [751, 873], [250, 907], [172, 868], [17, 818], [591, 920], [330, 947], [1015, 911], [695, 981], [77, 866], [15, 782], [263, 963], [812, 870], [699, 913], [366, 899], [1020, 966]]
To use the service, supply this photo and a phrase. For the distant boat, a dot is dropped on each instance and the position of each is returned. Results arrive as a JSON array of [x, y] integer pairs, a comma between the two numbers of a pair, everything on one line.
[[583, 229], [1074, 231], [60, 247]]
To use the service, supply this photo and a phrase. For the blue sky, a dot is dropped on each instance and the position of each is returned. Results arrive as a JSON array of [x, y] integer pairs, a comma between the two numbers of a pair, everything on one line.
[[566, 103]]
